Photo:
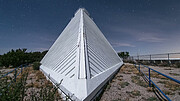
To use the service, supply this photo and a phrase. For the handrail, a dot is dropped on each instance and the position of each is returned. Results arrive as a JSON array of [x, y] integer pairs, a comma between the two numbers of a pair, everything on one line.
[[21, 66], [168, 57], [10, 72], [156, 54], [15, 74], [162, 74], [6, 74], [150, 81]]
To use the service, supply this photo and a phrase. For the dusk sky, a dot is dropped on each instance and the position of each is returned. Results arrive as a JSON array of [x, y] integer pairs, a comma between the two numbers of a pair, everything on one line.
[[136, 26]]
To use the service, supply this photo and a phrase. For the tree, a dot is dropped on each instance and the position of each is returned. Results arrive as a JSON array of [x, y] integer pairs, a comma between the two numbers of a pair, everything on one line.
[[0, 61], [20, 56], [123, 55]]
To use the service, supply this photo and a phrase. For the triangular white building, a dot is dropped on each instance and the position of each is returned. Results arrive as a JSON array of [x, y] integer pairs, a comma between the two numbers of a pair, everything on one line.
[[82, 57]]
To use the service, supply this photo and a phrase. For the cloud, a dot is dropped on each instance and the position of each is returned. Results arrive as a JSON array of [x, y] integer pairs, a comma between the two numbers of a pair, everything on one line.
[[151, 39], [37, 49], [142, 35], [122, 45]]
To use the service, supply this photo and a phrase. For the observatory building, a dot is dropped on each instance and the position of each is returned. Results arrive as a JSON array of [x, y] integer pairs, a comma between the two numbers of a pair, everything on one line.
[[82, 58]]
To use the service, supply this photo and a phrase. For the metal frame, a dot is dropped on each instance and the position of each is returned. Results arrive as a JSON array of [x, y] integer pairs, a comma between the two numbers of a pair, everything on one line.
[[15, 73], [152, 83], [167, 56]]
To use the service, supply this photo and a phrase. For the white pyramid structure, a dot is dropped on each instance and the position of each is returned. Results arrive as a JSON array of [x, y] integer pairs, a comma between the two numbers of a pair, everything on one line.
[[81, 57]]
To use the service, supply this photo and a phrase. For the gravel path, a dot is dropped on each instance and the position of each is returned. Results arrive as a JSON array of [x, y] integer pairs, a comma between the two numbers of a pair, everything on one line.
[[170, 88], [128, 85]]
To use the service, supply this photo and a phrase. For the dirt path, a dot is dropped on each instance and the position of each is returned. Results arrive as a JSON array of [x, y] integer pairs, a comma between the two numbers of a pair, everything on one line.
[[128, 85], [169, 87]]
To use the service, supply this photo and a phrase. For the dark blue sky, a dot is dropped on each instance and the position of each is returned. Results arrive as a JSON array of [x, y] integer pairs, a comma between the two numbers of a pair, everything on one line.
[[137, 26]]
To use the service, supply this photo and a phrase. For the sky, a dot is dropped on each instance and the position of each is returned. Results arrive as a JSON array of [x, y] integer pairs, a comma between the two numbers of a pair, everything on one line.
[[137, 26]]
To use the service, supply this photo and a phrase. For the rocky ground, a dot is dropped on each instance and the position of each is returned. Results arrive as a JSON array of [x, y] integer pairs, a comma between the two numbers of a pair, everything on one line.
[[128, 85]]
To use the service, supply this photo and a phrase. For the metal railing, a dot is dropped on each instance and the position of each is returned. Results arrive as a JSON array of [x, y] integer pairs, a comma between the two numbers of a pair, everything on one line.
[[151, 83], [165, 56], [16, 73]]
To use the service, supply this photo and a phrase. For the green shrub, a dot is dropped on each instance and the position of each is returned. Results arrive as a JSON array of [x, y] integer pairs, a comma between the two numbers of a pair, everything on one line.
[[123, 84], [138, 81], [164, 64], [36, 65], [177, 64], [146, 62], [18, 57]]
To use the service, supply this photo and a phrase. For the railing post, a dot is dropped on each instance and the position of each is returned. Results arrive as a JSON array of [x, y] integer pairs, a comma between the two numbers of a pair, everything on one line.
[[15, 75], [168, 60], [150, 59], [139, 67], [149, 77]]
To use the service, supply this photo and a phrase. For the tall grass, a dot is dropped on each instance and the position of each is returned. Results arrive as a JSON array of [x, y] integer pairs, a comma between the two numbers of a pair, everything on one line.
[[17, 91]]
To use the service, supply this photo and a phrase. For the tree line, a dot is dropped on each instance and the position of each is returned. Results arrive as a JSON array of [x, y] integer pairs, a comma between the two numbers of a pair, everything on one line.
[[17, 57]]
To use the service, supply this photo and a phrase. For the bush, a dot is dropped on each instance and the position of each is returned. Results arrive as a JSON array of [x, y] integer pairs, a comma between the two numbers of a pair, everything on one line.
[[18, 57], [145, 62], [164, 64], [36, 65], [1, 65], [177, 64]]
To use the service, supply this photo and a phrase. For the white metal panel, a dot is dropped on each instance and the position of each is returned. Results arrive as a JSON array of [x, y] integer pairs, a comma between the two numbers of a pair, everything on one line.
[[82, 57], [103, 60], [63, 45], [97, 44]]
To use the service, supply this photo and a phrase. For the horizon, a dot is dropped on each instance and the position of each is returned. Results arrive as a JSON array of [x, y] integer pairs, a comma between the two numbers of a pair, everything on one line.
[[138, 27]]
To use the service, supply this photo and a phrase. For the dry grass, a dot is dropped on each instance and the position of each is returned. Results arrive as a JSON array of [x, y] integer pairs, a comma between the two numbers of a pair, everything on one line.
[[128, 69], [134, 93], [34, 84], [118, 77], [39, 75], [29, 69], [149, 89], [37, 85], [175, 74], [138, 81], [136, 72], [167, 92], [29, 85], [162, 82], [113, 80], [123, 84], [168, 69], [48, 84], [172, 85], [156, 75]]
